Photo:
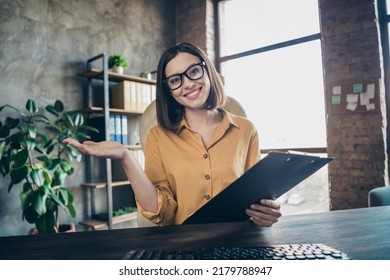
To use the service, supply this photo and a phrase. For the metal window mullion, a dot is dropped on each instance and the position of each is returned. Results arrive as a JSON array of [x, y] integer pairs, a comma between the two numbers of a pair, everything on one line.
[[107, 137], [280, 45]]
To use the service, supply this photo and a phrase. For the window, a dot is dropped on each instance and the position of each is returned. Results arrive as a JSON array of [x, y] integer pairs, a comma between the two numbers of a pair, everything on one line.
[[282, 93], [272, 64]]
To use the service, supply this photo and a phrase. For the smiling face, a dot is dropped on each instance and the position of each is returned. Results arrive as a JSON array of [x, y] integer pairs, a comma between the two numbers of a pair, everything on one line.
[[192, 93]]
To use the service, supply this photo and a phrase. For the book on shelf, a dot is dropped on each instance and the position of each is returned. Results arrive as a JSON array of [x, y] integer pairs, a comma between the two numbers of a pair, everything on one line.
[[139, 156], [121, 96], [98, 123], [113, 136], [132, 96], [124, 134], [118, 129]]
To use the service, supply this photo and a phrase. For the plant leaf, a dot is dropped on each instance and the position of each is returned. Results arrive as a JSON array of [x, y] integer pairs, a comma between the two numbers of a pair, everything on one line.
[[69, 120], [18, 175], [66, 167], [32, 131], [41, 119], [4, 165], [31, 107], [90, 128], [2, 147], [54, 163], [37, 177], [11, 122], [25, 195], [46, 223], [30, 214], [47, 176], [4, 131], [50, 149], [15, 140], [20, 158], [39, 149], [30, 143], [43, 138], [82, 135], [78, 119], [13, 108], [73, 151], [52, 110], [45, 159], [59, 106], [48, 143], [64, 195], [72, 210], [39, 203], [54, 196], [59, 177]]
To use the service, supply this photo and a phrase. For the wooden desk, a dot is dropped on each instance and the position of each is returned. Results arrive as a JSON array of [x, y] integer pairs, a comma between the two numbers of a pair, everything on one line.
[[361, 233]]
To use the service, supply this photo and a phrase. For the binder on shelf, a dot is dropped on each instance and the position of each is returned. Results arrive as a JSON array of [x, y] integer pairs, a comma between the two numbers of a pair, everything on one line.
[[98, 123], [153, 92], [118, 129], [121, 96], [124, 130], [133, 97], [113, 131], [138, 97], [270, 178]]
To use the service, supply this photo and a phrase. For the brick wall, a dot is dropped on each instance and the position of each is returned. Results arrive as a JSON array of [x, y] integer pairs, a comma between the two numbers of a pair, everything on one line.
[[195, 24], [356, 139]]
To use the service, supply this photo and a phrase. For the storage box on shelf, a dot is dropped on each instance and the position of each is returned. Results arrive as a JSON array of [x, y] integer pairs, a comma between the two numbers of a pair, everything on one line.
[[115, 104]]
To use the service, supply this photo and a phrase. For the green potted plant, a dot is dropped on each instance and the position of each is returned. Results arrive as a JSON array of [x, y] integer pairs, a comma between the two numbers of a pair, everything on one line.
[[146, 74], [33, 154], [117, 63]]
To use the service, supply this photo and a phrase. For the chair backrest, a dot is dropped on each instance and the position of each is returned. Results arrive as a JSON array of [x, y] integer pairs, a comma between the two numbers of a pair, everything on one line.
[[149, 120], [379, 196]]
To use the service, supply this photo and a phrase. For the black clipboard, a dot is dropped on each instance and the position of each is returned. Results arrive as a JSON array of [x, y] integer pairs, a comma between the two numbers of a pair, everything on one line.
[[271, 177]]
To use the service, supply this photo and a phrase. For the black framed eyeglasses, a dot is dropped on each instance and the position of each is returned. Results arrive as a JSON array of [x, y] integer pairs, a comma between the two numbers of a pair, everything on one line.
[[194, 72]]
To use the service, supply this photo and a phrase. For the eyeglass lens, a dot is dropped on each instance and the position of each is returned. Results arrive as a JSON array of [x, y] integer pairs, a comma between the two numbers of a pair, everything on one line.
[[193, 73]]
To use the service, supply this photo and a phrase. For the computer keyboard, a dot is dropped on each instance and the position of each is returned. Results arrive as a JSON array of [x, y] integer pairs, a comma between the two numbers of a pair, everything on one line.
[[276, 252]]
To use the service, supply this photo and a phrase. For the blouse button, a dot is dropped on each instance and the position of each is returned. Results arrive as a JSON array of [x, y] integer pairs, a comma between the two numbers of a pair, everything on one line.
[[205, 155], [207, 177], [207, 197]]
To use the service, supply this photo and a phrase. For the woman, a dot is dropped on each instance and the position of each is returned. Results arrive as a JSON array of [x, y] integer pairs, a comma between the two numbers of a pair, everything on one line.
[[196, 150]]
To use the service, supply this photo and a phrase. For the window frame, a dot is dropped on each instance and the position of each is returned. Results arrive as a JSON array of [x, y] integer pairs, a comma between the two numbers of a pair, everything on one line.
[[384, 21], [220, 59]]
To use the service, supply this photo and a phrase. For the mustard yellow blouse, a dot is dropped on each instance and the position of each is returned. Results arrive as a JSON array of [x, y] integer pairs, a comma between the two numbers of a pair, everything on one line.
[[187, 175]]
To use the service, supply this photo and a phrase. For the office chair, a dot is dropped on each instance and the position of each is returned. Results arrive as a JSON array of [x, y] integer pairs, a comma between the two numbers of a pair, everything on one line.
[[149, 120], [379, 196]]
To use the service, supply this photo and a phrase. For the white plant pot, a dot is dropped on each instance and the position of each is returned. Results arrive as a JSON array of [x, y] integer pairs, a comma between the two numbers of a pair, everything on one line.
[[117, 69]]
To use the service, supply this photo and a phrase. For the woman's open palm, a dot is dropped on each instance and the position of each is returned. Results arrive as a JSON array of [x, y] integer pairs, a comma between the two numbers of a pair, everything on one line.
[[104, 149]]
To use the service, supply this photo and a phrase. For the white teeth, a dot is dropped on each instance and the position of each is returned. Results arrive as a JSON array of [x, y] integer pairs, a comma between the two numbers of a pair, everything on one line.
[[192, 93]]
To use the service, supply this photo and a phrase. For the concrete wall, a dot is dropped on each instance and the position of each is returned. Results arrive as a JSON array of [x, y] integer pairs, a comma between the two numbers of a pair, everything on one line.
[[44, 44]]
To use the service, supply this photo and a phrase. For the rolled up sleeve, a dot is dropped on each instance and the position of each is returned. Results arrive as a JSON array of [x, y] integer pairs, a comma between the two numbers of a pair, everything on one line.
[[154, 169]]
